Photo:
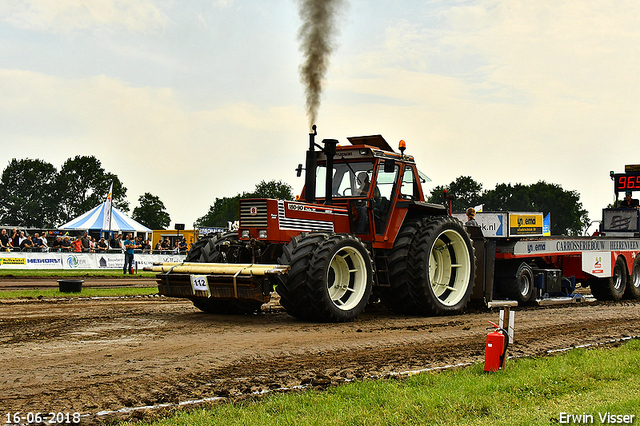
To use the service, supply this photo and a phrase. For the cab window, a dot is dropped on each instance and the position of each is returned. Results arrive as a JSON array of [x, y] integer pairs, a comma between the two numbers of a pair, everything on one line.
[[408, 189]]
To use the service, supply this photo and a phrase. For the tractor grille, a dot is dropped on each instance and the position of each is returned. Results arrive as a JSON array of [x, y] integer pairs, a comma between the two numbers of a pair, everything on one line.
[[253, 214]]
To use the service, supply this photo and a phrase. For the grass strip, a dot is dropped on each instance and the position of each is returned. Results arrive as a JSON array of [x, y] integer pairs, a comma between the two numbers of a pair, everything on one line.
[[68, 273], [533, 391], [86, 292]]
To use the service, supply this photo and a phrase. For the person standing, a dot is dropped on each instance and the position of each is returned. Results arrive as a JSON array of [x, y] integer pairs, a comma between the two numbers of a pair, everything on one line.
[[15, 238], [471, 217], [129, 247], [86, 242], [4, 240]]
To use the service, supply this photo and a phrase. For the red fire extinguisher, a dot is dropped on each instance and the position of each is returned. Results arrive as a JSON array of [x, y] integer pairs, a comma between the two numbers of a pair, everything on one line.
[[496, 348]]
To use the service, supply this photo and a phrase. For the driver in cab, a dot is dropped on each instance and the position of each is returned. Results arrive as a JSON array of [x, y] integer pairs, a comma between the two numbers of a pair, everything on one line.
[[629, 202], [364, 181]]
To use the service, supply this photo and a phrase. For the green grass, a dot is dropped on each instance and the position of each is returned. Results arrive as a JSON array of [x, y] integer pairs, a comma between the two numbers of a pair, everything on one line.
[[86, 292], [110, 273], [527, 392]]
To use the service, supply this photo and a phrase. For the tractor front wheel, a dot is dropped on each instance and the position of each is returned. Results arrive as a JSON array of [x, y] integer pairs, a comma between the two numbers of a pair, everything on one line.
[[330, 279], [431, 268]]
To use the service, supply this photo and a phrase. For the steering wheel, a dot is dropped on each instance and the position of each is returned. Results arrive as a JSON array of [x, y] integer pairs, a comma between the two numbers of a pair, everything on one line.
[[344, 191]]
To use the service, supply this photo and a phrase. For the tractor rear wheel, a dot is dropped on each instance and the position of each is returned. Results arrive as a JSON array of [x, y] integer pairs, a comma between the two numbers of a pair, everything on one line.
[[330, 279], [397, 295], [612, 288], [432, 268], [208, 250]]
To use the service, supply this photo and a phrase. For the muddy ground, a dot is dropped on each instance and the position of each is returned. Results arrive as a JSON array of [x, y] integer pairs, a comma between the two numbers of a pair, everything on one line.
[[96, 356]]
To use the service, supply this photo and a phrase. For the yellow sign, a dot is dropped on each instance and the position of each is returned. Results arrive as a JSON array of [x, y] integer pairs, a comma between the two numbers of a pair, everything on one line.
[[628, 168], [529, 224], [12, 261]]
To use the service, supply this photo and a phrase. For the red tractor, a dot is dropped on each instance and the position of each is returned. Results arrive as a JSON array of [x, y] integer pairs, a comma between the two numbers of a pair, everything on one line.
[[361, 226]]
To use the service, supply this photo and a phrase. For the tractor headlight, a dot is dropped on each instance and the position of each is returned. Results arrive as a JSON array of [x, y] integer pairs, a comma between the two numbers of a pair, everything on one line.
[[262, 234], [245, 234]]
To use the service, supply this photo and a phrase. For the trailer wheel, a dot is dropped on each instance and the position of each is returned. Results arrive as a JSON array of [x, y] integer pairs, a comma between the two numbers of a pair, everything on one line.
[[612, 288], [330, 278], [517, 283], [207, 250], [633, 285], [438, 274]]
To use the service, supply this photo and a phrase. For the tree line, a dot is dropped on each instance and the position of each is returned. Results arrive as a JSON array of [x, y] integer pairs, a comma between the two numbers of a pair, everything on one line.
[[568, 217], [34, 194]]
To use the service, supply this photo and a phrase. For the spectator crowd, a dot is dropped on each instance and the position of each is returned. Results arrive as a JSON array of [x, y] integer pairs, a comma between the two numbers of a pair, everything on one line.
[[16, 240]]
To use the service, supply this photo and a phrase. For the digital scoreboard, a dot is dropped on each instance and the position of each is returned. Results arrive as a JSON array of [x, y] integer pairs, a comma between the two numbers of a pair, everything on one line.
[[628, 181]]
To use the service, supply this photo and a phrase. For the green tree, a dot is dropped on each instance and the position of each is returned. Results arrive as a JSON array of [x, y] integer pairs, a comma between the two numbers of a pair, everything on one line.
[[151, 212], [567, 214], [464, 189], [82, 184], [272, 189], [225, 209], [27, 194], [506, 197]]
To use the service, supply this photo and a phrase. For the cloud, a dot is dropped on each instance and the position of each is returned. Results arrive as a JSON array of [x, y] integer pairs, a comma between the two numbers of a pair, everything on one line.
[[68, 16], [148, 137]]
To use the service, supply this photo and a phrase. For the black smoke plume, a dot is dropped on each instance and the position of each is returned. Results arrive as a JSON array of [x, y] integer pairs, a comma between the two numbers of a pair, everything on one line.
[[316, 36]]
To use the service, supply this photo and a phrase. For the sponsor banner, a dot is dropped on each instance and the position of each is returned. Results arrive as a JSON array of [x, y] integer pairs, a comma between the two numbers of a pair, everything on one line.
[[43, 261], [147, 260], [18, 260], [571, 245], [79, 261], [205, 231], [493, 224], [12, 261], [110, 260], [525, 224]]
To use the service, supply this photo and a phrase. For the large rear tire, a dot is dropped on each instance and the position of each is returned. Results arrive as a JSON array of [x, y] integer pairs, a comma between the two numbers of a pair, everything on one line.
[[432, 267], [330, 279], [612, 288], [211, 250]]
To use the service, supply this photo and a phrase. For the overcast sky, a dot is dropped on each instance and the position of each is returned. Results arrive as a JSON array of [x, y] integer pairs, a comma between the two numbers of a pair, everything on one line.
[[193, 100]]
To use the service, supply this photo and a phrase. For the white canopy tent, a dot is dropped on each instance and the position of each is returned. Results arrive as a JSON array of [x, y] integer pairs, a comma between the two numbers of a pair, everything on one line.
[[94, 220]]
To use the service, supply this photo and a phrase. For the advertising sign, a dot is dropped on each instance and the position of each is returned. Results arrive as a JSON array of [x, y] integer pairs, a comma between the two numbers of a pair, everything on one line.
[[493, 224], [525, 224], [597, 263]]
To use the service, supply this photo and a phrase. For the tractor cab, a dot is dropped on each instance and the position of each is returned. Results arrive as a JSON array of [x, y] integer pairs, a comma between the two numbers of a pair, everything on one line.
[[374, 183]]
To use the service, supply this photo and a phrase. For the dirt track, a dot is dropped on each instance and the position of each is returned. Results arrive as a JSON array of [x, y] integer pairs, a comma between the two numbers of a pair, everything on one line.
[[98, 355]]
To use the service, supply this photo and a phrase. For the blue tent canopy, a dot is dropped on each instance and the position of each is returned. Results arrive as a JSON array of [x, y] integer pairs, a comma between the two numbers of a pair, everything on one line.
[[94, 218]]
